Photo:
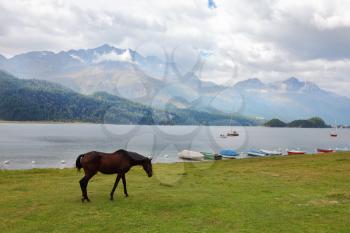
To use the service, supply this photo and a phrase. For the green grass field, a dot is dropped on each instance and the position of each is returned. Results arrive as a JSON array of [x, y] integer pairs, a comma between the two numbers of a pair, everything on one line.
[[308, 193]]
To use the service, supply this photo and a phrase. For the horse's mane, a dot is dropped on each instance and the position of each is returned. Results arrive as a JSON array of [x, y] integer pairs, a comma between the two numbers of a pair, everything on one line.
[[133, 155]]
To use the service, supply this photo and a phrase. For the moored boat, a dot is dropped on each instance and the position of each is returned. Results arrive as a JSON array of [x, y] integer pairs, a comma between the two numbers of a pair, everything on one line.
[[334, 133], [211, 156], [190, 155], [345, 149], [233, 134], [271, 152], [256, 153], [228, 153], [325, 150], [296, 152]]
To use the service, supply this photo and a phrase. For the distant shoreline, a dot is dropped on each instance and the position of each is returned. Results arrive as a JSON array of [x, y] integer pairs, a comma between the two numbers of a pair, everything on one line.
[[95, 123]]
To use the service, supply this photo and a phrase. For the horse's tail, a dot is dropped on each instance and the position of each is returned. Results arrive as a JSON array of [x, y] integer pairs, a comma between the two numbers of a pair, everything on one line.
[[78, 163]]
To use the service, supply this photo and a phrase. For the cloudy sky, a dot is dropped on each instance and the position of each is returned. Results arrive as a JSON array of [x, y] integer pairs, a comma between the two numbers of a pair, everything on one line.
[[268, 39]]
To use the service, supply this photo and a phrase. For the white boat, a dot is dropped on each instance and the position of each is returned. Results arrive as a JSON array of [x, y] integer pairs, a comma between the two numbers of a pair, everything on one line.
[[256, 153], [345, 149], [335, 132], [271, 152], [190, 155], [232, 133]]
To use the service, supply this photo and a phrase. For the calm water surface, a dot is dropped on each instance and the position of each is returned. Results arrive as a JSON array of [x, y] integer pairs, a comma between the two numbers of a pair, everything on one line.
[[29, 145]]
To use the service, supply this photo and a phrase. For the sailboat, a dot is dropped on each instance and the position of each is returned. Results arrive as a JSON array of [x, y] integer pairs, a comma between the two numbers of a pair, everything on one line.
[[232, 133], [335, 132]]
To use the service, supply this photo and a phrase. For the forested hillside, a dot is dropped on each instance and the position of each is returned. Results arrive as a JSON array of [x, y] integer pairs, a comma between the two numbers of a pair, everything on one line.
[[37, 100]]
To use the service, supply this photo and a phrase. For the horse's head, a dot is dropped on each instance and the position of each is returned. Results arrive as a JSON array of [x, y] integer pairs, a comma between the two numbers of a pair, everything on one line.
[[147, 166]]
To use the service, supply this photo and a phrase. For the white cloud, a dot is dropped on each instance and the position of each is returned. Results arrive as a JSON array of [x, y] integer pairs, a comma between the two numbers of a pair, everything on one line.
[[268, 39], [331, 22]]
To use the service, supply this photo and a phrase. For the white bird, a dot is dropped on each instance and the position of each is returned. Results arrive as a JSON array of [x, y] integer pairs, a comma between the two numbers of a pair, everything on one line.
[[6, 162], [33, 162], [63, 161], [166, 156]]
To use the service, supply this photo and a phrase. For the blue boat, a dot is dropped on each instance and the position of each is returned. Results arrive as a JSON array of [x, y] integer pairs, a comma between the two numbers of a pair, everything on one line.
[[228, 153]]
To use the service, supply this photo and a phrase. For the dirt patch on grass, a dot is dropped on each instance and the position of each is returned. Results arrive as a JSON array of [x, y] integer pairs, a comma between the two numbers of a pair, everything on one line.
[[323, 202], [342, 197], [331, 199], [271, 174]]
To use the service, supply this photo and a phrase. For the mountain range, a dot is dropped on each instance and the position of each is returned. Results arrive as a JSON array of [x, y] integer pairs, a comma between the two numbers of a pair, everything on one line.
[[159, 84], [38, 100]]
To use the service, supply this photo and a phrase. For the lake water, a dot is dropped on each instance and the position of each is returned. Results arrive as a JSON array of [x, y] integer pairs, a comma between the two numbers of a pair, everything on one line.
[[29, 145]]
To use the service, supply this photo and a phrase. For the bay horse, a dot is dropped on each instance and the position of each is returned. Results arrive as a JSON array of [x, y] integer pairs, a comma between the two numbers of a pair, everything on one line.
[[118, 162]]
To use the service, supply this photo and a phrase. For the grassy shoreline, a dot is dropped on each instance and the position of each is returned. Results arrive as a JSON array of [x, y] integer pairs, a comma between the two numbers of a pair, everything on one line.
[[277, 194]]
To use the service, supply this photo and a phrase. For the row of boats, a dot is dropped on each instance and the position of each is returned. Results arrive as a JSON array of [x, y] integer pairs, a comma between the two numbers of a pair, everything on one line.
[[233, 133], [232, 154]]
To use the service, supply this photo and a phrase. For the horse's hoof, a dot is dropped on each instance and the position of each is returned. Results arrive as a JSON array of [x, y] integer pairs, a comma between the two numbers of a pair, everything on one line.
[[112, 199], [126, 195]]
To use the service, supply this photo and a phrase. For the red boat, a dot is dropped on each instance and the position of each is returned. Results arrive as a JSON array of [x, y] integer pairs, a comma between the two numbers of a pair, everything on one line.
[[325, 150], [296, 152]]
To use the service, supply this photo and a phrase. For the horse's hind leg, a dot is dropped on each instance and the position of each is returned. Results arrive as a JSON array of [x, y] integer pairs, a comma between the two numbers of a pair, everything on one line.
[[124, 184], [115, 186], [83, 184], [82, 187]]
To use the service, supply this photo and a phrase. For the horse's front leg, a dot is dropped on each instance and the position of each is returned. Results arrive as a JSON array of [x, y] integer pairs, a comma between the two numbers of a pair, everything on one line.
[[124, 184], [83, 185], [115, 186]]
